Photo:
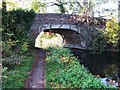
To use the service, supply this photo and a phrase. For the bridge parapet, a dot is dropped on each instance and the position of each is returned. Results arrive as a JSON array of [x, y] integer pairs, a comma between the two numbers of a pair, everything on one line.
[[67, 19]]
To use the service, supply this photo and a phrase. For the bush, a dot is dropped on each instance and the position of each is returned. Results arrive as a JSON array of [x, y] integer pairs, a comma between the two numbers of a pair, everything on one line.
[[16, 23], [108, 38], [112, 33], [63, 70], [99, 41], [15, 28]]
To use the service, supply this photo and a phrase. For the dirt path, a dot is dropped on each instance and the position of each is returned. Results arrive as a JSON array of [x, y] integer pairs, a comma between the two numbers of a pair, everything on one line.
[[36, 77]]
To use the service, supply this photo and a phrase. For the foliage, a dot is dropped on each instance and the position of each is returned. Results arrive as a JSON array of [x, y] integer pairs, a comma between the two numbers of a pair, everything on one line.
[[61, 7], [16, 23], [112, 32], [15, 42], [25, 46], [99, 41], [12, 5], [38, 6], [13, 60], [74, 6], [108, 38], [87, 8], [47, 39], [63, 70], [15, 78], [48, 35], [15, 28]]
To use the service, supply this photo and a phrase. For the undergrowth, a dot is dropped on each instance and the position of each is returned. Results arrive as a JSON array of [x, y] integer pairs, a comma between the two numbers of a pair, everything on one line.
[[63, 70]]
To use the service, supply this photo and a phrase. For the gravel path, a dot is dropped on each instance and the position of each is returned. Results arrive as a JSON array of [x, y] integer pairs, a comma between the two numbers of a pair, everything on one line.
[[36, 77]]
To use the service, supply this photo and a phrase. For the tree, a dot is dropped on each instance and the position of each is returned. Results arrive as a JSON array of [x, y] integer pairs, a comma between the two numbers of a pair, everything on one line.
[[38, 6], [4, 7], [87, 8], [9, 5], [61, 6], [84, 8]]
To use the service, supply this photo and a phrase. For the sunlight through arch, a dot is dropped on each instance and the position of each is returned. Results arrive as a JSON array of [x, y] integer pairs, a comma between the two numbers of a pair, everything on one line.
[[49, 39]]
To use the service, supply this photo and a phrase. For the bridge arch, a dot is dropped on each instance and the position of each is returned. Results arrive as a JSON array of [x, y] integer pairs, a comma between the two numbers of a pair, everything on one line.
[[70, 38], [74, 24]]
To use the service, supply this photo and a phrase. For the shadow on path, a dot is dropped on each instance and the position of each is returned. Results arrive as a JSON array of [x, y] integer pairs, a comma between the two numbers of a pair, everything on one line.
[[36, 78]]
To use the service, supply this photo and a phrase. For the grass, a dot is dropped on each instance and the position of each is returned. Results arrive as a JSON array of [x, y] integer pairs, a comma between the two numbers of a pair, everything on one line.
[[15, 77], [63, 70]]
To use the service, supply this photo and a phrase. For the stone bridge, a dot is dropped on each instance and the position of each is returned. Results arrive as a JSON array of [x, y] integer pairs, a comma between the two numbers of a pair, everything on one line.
[[76, 30]]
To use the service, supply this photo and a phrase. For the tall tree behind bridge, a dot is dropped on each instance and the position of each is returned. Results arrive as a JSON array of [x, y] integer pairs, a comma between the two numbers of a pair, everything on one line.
[[81, 7], [88, 8], [60, 5]]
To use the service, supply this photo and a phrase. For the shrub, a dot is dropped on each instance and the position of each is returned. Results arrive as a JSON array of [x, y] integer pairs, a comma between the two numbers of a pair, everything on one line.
[[99, 41], [15, 28], [16, 23], [112, 33], [108, 38]]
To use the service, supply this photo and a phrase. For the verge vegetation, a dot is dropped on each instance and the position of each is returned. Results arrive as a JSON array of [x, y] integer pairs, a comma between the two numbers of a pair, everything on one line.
[[15, 75], [16, 56], [63, 70]]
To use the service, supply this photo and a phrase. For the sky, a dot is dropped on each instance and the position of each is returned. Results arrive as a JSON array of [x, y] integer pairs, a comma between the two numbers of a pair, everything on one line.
[[105, 9]]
